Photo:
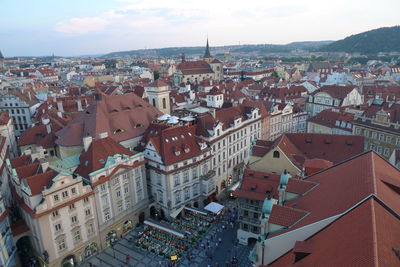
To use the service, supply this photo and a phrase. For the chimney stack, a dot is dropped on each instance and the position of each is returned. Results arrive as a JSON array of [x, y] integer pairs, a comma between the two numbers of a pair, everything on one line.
[[103, 135], [79, 103], [87, 141], [60, 106]]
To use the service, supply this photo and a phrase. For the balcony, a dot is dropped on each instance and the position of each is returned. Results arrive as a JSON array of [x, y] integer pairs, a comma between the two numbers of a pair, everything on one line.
[[208, 175]]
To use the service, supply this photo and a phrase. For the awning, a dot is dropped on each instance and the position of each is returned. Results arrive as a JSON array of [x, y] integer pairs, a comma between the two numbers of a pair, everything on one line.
[[165, 228], [214, 207], [196, 211], [176, 213]]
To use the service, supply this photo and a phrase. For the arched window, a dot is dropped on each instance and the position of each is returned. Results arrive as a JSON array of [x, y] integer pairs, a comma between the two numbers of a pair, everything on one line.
[[154, 102], [276, 154], [164, 103]]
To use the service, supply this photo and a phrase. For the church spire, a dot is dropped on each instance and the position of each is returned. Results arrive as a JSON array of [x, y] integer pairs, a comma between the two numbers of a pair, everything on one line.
[[1, 55], [207, 54]]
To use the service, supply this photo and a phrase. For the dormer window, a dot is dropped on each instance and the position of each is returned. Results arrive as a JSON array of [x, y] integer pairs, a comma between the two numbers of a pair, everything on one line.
[[187, 150], [177, 153], [118, 131], [138, 125], [114, 110]]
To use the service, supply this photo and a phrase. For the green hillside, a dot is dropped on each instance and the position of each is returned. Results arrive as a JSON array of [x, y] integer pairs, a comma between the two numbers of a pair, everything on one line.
[[370, 42]]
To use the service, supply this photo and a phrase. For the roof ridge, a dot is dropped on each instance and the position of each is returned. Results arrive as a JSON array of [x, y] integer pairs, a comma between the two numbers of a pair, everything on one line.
[[374, 235]]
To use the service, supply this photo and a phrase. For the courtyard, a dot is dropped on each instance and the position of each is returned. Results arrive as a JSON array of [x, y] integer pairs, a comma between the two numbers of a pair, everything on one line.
[[215, 245]]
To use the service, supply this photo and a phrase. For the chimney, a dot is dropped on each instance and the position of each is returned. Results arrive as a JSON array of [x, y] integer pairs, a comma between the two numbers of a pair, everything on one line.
[[86, 142], [29, 95], [48, 128], [103, 135], [212, 112], [79, 104], [60, 106]]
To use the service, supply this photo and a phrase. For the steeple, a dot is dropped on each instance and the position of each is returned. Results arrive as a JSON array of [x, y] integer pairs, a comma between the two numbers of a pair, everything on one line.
[[207, 54], [1, 55]]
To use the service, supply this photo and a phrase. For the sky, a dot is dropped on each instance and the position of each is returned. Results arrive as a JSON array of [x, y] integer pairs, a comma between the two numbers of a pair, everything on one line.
[[82, 27]]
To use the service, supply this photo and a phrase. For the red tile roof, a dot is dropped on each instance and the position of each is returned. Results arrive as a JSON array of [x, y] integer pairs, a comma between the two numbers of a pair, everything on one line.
[[344, 185], [334, 148], [194, 67], [365, 236], [96, 156], [123, 117], [175, 144], [256, 184], [37, 135], [335, 91], [40, 181], [285, 216]]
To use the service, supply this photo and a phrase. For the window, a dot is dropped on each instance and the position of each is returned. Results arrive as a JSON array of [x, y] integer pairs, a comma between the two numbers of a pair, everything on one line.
[[118, 193], [65, 194], [86, 200], [74, 219], [374, 135], [386, 151], [164, 103], [116, 180], [205, 168], [158, 178], [61, 244], [128, 202], [245, 227], [126, 189], [194, 173], [195, 189], [120, 207], [90, 228], [276, 154], [73, 191], [87, 212], [177, 196], [176, 179], [106, 215], [381, 137], [388, 139], [379, 150], [57, 227], [366, 133], [160, 196], [55, 198], [104, 200], [103, 187], [186, 176], [55, 213], [154, 102], [187, 193], [72, 206], [77, 235], [397, 141], [358, 131]]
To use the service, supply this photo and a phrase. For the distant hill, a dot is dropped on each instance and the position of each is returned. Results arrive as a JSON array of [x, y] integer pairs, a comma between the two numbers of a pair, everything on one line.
[[371, 42], [196, 50]]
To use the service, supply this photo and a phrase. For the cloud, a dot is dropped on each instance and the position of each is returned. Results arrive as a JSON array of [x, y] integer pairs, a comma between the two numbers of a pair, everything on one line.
[[82, 25]]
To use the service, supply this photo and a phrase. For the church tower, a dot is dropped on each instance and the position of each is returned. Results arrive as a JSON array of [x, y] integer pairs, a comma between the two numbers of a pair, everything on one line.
[[207, 55], [1, 61], [158, 95]]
